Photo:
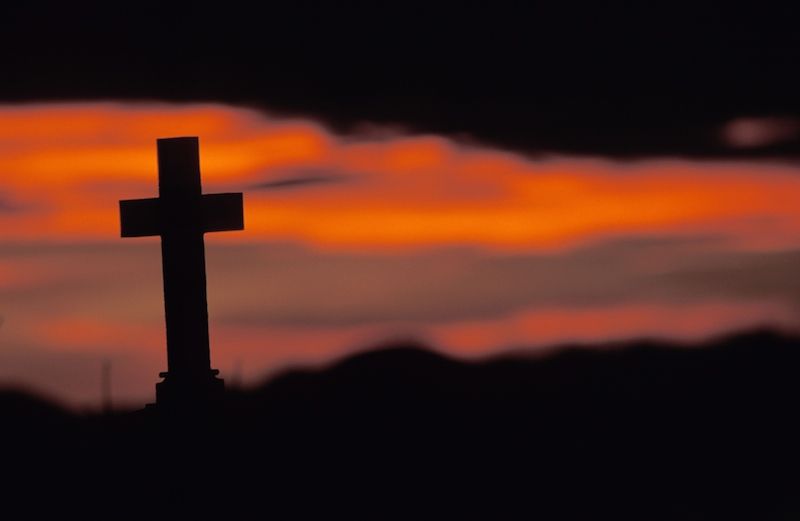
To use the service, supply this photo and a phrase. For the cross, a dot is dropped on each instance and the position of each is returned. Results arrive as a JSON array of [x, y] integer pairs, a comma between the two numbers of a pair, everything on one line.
[[181, 215]]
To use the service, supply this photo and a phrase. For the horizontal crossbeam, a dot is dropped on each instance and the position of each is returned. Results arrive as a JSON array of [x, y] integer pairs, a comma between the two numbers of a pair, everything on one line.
[[223, 212], [145, 217], [140, 217]]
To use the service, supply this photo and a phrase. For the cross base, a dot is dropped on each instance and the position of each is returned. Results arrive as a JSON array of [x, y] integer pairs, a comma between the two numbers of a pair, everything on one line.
[[189, 391]]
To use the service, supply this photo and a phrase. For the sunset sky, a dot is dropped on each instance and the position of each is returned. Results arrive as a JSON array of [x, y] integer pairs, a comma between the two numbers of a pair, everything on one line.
[[353, 240], [467, 196]]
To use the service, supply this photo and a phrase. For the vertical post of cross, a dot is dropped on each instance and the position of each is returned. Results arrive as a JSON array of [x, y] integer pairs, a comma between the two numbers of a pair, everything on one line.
[[183, 260]]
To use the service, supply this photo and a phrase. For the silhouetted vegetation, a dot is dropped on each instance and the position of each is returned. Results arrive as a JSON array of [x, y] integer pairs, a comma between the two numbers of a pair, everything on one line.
[[642, 431]]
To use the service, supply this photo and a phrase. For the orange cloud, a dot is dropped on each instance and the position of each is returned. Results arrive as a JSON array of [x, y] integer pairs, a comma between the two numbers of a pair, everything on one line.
[[759, 132], [69, 164]]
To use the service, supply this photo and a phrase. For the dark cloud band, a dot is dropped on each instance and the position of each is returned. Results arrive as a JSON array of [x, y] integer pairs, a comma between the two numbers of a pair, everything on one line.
[[621, 82]]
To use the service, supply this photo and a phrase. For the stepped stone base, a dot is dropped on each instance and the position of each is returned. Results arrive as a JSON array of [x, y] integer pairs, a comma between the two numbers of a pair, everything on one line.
[[189, 392]]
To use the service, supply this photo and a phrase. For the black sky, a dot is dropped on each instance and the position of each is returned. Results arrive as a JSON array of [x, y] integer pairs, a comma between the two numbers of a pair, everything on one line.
[[624, 82]]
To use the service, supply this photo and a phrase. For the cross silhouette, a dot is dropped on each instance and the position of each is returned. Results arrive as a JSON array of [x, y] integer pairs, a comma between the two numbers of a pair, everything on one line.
[[181, 215]]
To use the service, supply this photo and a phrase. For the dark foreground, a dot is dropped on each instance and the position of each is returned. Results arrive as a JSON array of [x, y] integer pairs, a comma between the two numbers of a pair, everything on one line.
[[645, 432]]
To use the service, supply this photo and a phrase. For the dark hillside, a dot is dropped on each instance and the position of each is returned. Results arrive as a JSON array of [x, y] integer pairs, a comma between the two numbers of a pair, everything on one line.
[[637, 431]]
